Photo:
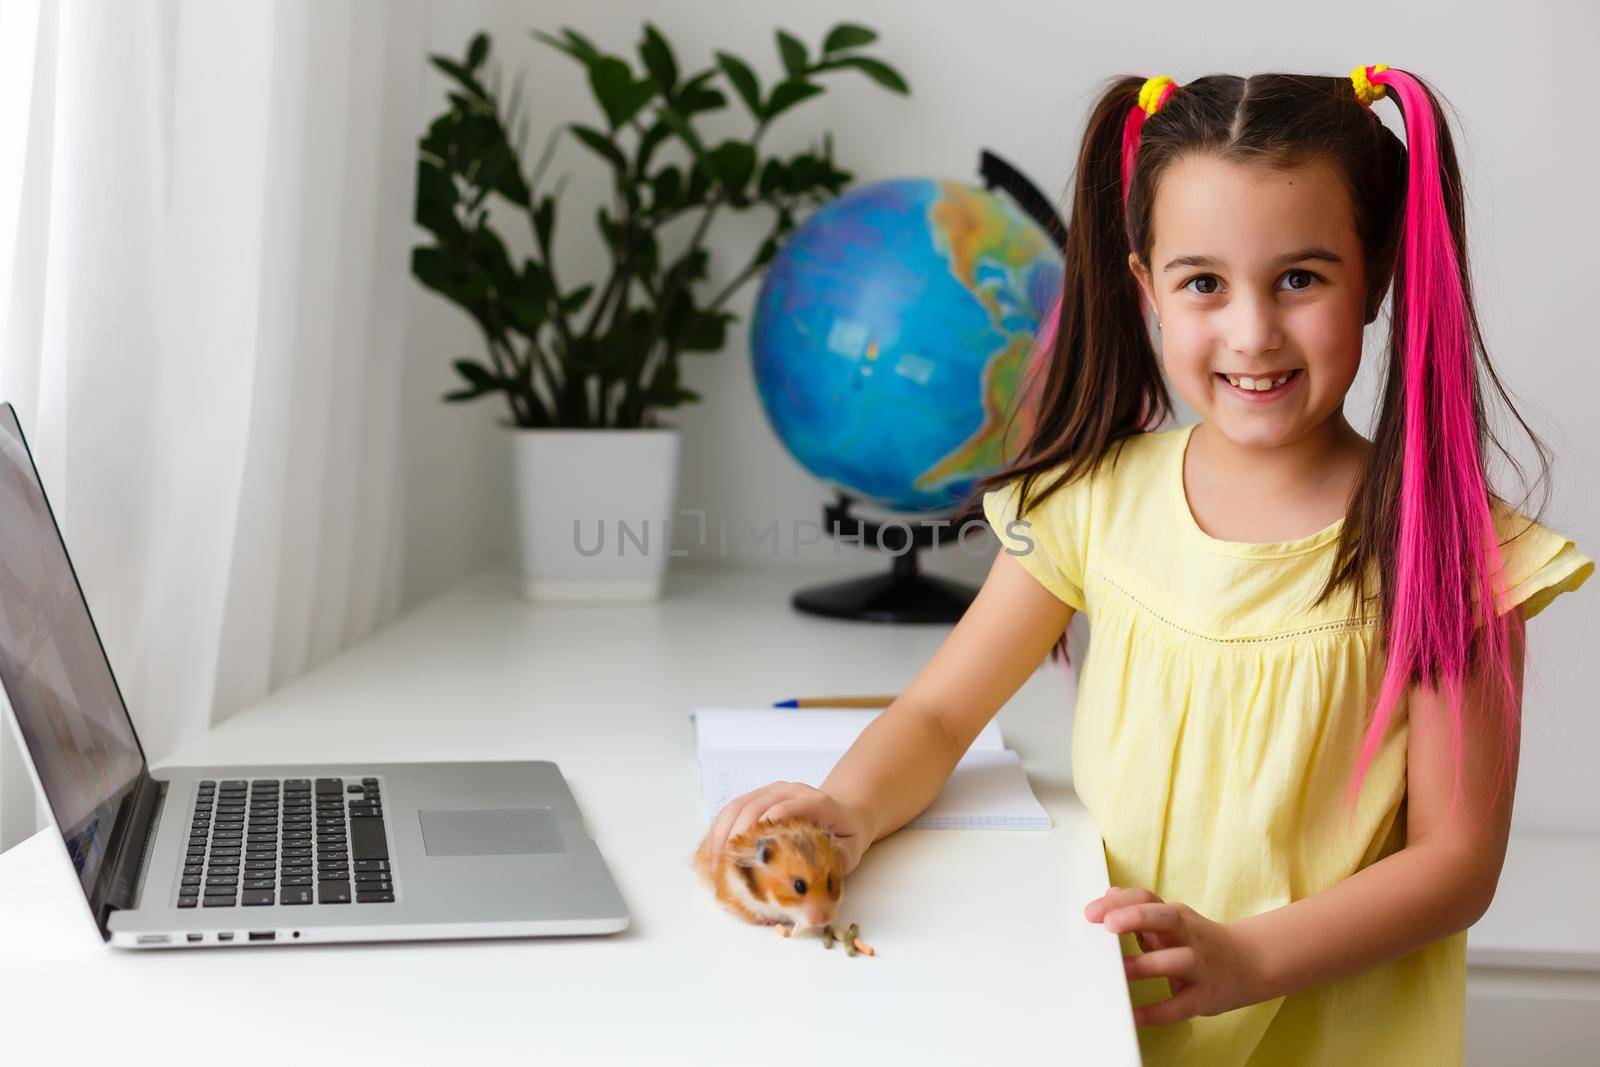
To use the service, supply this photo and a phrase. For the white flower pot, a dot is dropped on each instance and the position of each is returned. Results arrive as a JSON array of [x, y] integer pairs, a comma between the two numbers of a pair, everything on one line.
[[594, 510]]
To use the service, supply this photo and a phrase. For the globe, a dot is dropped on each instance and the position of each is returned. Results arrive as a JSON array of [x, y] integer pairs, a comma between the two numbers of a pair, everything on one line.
[[891, 332]]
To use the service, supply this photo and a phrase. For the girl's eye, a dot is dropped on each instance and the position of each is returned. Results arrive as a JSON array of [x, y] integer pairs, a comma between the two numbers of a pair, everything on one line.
[[1213, 279], [800, 886]]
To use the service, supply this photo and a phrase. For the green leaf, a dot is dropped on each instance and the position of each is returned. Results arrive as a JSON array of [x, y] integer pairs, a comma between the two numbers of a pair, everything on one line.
[[699, 181], [477, 375], [706, 332], [789, 93], [501, 170], [847, 35], [681, 127], [544, 221], [881, 73], [602, 145], [536, 282], [620, 96], [774, 178], [696, 100], [657, 58], [461, 75], [648, 143], [698, 81], [575, 300], [666, 188], [794, 54], [743, 79], [478, 51], [574, 45], [732, 162], [436, 200]]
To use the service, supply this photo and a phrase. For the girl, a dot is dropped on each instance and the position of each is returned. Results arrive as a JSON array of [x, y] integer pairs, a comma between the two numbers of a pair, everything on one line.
[[1298, 722]]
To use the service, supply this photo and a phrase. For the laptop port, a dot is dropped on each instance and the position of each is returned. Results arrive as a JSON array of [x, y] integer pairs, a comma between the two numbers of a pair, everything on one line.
[[195, 937], [263, 935], [224, 937], [153, 939]]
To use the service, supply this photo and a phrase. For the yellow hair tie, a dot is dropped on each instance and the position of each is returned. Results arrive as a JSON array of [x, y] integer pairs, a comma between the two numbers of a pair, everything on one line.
[[1150, 93], [1366, 91]]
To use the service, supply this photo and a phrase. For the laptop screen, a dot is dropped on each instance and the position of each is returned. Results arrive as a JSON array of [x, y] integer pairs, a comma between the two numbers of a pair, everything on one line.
[[54, 669]]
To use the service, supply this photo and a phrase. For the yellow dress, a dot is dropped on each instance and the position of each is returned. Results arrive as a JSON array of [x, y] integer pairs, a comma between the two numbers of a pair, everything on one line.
[[1218, 721]]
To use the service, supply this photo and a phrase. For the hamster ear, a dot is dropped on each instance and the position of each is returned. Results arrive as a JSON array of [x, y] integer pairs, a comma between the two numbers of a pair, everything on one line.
[[764, 850]]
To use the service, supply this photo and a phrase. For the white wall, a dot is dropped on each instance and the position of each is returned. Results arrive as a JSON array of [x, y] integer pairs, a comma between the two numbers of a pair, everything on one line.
[[1019, 82]]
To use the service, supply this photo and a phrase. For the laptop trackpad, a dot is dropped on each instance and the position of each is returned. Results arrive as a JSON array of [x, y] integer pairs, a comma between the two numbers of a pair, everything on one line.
[[498, 832]]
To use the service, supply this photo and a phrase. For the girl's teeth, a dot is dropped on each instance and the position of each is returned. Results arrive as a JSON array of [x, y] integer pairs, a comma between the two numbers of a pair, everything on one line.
[[1260, 385]]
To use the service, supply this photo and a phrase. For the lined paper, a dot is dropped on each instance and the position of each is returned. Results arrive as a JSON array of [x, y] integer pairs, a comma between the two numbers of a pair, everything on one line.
[[741, 749]]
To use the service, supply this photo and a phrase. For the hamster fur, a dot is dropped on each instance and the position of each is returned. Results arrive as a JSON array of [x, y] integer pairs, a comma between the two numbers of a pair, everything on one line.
[[788, 872]]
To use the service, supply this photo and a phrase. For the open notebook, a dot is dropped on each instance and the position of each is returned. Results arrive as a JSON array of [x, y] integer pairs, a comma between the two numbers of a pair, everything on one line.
[[741, 749]]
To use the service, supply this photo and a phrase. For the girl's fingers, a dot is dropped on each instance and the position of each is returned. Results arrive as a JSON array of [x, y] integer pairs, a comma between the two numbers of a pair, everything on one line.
[[1172, 1010], [728, 818], [1182, 962], [1115, 898], [1158, 918], [783, 809], [752, 812]]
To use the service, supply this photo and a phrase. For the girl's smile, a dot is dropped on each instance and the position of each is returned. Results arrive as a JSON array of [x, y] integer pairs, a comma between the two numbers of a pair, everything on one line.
[[1260, 389]]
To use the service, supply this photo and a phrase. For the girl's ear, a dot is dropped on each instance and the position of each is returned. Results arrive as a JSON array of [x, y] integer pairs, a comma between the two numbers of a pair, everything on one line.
[[1142, 276]]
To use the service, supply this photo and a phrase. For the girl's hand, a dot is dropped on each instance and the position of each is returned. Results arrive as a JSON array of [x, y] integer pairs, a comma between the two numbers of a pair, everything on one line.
[[793, 800], [1210, 968]]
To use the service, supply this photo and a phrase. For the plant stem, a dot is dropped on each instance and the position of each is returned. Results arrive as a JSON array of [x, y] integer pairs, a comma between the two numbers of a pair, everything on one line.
[[496, 357], [739, 279]]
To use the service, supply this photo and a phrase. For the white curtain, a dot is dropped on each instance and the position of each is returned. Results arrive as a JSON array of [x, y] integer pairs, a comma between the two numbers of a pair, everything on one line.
[[204, 228]]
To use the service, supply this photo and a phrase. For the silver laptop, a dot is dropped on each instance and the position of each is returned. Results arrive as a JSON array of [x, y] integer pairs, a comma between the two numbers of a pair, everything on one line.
[[196, 857]]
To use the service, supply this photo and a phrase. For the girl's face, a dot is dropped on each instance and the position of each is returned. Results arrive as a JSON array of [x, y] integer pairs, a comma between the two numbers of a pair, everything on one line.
[[1258, 273]]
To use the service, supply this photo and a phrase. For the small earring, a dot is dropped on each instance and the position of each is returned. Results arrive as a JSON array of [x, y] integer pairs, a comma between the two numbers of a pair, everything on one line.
[[1158, 324]]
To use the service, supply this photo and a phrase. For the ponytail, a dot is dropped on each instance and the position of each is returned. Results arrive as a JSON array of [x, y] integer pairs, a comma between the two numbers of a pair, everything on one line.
[[1092, 376], [1442, 618]]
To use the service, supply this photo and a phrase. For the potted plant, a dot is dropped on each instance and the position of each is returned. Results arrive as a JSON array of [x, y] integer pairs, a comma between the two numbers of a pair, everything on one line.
[[587, 371]]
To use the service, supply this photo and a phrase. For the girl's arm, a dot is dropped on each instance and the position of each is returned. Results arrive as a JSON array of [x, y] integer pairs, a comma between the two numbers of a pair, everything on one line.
[[1443, 879], [904, 756]]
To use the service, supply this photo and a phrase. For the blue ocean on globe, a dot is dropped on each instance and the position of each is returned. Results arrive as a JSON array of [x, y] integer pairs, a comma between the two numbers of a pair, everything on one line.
[[891, 332]]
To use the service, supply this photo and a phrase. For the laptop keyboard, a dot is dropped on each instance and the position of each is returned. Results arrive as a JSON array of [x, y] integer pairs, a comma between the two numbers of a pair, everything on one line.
[[286, 841]]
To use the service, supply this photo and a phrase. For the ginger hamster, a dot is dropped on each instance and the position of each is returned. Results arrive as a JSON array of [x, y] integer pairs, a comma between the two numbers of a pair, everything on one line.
[[788, 872]]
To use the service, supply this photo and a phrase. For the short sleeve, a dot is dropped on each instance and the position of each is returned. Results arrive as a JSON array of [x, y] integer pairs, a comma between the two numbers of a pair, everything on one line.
[[1538, 564], [1051, 542]]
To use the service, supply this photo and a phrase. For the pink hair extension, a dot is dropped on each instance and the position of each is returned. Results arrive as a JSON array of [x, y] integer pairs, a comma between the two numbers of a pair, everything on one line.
[[1044, 343], [1132, 127], [1448, 554], [1130, 135]]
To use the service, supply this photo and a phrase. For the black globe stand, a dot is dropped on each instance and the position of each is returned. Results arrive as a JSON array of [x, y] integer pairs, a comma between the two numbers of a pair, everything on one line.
[[905, 594]]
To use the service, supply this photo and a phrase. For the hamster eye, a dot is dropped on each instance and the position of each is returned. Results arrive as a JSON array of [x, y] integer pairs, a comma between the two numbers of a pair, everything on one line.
[[830, 885], [800, 886]]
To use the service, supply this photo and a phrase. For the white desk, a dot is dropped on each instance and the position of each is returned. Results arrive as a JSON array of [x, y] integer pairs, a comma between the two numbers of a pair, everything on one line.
[[984, 954]]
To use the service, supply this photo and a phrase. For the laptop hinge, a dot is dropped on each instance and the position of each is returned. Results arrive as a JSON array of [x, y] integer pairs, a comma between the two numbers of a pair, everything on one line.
[[127, 859]]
